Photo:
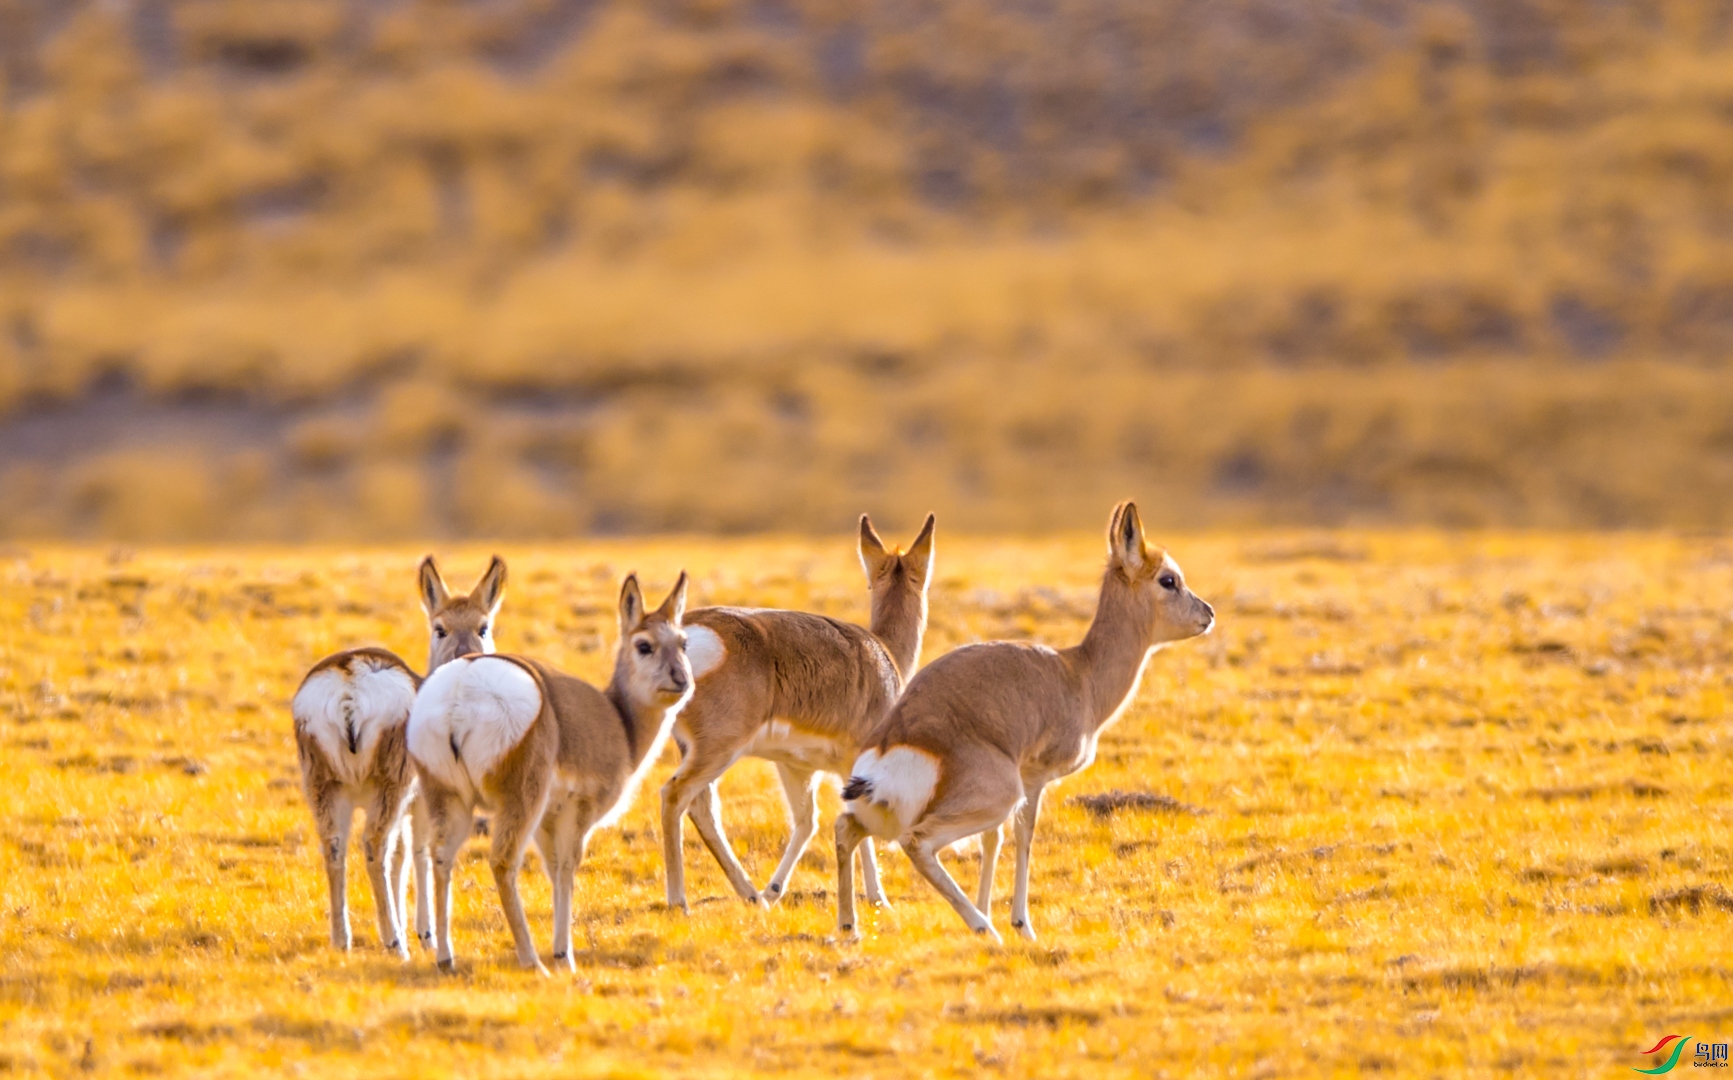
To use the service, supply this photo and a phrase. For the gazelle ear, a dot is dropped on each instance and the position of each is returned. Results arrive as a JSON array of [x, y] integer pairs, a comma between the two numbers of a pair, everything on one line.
[[674, 608], [433, 591], [490, 590], [872, 549], [631, 605], [920, 553], [1125, 537]]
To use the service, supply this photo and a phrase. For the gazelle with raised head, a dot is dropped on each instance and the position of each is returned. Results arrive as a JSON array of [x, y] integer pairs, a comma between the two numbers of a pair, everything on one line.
[[350, 715], [800, 690], [981, 731], [549, 756]]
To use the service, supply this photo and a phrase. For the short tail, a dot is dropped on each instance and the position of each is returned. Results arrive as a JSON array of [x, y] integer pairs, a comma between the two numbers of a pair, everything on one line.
[[887, 792]]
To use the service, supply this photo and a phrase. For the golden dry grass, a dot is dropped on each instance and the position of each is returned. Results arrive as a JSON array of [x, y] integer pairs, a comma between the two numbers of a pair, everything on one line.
[[1462, 809], [421, 282]]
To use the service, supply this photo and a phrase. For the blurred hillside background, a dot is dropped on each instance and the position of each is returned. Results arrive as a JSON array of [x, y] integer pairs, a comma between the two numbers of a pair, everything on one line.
[[366, 269]]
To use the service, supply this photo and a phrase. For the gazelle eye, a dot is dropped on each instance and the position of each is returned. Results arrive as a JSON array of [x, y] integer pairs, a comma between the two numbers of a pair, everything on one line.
[[483, 630], [439, 631], [1169, 582], [644, 648]]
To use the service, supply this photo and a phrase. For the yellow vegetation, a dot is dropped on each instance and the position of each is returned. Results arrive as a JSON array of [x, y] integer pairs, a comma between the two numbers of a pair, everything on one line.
[[529, 267], [1440, 805]]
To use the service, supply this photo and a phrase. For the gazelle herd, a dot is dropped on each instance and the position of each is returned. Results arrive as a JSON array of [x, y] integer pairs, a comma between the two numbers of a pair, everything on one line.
[[961, 748]]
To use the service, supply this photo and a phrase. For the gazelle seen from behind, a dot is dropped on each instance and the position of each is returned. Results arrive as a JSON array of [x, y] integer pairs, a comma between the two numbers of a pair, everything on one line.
[[350, 715], [550, 757], [982, 730], [800, 690]]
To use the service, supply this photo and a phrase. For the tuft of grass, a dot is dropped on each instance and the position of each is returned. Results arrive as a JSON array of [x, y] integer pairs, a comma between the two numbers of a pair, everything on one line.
[[1109, 803]]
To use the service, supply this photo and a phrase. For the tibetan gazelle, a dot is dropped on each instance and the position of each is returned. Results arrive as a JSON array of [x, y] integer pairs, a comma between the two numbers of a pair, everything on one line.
[[350, 714], [803, 691], [550, 757], [981, 731]]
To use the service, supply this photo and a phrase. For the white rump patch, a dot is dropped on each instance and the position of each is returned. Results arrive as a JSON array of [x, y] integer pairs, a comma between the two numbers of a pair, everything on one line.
[[704, 650], [347, 709], [470, 714], [902, 782]]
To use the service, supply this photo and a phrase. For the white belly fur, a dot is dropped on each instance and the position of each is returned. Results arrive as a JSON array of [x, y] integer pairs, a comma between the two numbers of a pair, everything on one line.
[[783, 742]]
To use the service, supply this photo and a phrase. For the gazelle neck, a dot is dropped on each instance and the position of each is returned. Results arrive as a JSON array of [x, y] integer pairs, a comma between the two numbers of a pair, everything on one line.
[[1114, 651], [643, 722], [899, 619]]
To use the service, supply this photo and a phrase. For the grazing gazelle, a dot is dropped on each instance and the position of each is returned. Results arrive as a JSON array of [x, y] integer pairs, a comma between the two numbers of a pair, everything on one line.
[[802, 691], [980, 731], [349, 715], [549, 756]]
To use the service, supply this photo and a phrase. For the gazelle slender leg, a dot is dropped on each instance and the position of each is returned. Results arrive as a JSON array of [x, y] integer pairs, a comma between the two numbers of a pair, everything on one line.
[[420, 841], [572, 845], [673, 834], [706, 815], [869, 873], [849, 834], [452, 820], [335, 814], [1025, 830], [550, 850], [560, 845], [692, 789], [377, 843], [512, 828], [923, 854], [397, 875], [990, 841], [800, 788]]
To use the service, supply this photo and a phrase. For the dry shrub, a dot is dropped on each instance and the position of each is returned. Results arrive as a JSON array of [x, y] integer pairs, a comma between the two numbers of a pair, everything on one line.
[[164, 494], [1313, 266], [1692, 898]]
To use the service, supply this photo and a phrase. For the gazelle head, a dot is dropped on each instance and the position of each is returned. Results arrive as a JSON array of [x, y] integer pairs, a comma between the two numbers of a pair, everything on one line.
[[460, 625], [1156, 583], [891, 571], [651, 664]]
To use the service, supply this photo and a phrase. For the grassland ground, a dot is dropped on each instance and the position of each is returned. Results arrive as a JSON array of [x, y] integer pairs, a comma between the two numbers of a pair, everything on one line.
[[1428, 804]]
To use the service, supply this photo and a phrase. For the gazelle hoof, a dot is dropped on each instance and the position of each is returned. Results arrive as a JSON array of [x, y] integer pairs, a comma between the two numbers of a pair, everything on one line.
[[448, 966], [988, 931]]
